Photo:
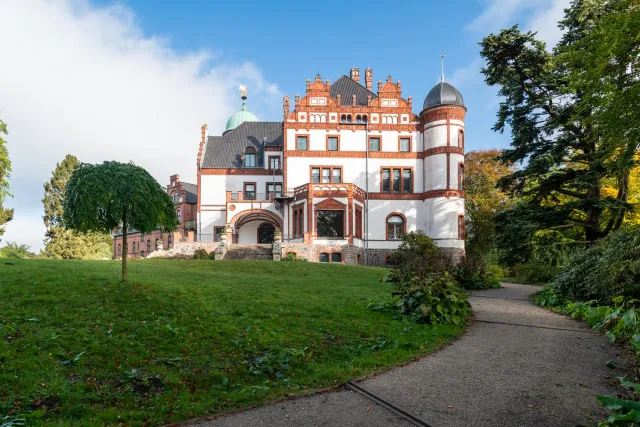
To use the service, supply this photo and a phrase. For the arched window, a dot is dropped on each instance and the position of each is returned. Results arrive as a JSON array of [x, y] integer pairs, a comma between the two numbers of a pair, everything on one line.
[[142, 254], [461, 139], [119, 249], [149, 245], [178, 214], [249, 160], [295, 222], [359, 259], [395, 227], [460, 176], [134, 247], [169, 239], [324, 257], [349, 118], [336, 257], [343, 118], [365, 119], [461, 230], [358, 118]]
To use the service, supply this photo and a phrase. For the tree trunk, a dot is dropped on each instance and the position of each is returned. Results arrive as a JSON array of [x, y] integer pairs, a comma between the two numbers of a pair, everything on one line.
[[124, 244]]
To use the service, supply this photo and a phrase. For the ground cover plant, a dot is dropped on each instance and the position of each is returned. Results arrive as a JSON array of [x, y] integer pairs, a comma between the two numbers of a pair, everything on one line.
[[185, 338]]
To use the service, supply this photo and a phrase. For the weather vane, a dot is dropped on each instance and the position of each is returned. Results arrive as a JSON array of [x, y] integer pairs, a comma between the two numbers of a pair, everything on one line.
[[243, 91], [442, 59]]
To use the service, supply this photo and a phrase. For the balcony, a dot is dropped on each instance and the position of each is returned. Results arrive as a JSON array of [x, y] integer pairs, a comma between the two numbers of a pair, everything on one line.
[[190, 225]]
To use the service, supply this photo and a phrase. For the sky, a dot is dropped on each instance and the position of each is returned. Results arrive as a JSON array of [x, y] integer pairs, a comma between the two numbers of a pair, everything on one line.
[[134, 80]]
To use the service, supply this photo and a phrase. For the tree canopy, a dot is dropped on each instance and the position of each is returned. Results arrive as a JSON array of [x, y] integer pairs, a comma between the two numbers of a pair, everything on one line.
[[559, 110], [105, 196], [6, 215], [61, 243]]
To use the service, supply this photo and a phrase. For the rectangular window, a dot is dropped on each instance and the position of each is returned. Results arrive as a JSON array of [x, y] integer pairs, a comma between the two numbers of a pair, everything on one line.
[[250, 160], [315, 175], [396, 180], [323, 257], [406, 180], [274, 162], [302, 142], [326, 175], [249, 192], [405, 144], [336, 176], [330, 224], [274, 190], [217, 232], [332, 143], [386, 180], [374, 144]]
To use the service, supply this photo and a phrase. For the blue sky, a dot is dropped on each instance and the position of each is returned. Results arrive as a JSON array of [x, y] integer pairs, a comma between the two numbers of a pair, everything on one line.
[[134, 80]]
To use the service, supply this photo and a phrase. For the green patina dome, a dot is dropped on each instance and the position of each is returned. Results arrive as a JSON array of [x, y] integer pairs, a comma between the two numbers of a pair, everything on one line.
[[240, 117]]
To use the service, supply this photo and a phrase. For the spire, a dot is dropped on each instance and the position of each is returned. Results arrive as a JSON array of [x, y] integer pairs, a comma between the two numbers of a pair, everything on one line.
[[243, 95], [442, 60]]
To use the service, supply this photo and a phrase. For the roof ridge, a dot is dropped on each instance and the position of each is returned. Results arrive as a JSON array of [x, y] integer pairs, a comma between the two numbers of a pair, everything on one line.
[[359, 84]]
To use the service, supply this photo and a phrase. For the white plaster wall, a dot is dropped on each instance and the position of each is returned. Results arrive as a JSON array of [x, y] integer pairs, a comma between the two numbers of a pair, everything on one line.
[[435, 168], [351, 140], [353, 171], [442, 217], [248, 233], [435, 136], [454, 159], [214, 187], [207, 219], [380, 209], [453, 135]]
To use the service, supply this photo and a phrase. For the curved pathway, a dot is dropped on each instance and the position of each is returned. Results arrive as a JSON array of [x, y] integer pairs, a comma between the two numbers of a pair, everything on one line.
[[516, 365]]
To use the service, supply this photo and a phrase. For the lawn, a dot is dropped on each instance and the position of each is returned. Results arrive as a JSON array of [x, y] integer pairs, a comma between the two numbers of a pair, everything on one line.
[[186, 338]]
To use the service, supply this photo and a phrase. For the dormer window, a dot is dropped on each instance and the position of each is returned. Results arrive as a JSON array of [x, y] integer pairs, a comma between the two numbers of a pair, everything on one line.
[[249, 160]]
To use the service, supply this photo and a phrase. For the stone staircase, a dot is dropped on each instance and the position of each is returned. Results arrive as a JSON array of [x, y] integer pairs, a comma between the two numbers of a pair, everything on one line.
[[250, 252]]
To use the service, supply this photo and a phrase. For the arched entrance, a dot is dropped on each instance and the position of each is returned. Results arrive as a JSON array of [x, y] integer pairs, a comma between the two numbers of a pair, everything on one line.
[[255, 227], [265, 233]]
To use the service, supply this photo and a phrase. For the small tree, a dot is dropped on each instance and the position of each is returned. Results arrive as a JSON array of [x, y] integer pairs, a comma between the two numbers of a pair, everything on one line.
[[104, 196], [6, 215]]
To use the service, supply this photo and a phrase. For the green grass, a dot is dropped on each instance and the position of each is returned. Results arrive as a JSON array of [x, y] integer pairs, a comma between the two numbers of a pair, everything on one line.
[[188, 338]]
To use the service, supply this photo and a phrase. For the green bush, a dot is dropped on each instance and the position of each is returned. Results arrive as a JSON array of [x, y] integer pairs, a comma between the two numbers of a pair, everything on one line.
[[533, 273], [290, 256], [212, 255], [200, 254], [472, 274], [609, 268], [435, 299], [424, 283]]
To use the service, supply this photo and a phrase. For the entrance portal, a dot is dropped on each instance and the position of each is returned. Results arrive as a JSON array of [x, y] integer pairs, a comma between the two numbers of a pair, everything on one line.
[[265, 233]]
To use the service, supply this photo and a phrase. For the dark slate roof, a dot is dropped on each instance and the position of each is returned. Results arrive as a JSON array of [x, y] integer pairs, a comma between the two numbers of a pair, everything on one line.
[[443, 94], [192, 192], [346, 87], [226, 151]]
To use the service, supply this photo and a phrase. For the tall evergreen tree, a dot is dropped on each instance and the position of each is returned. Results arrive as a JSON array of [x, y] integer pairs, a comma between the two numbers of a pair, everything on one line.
[[61, 243], [6, 215], [54, 191], [557, 125]]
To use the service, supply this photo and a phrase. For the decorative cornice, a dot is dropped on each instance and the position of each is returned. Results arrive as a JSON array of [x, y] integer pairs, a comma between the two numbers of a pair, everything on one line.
[[239, 171], [443, 150]]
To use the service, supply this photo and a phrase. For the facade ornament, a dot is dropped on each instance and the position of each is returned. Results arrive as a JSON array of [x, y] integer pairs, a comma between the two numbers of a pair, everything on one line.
[[297, 100], [318, 78], [353, 100], [379, 85], [308, 84], [285, 106], [243, 91], [399, 86], [368, 99]]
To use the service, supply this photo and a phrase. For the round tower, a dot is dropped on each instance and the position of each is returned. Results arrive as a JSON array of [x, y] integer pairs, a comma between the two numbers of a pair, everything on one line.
[[442, 120]]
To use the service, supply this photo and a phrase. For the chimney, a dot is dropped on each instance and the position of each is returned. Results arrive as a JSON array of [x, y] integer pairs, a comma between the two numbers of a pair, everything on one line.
[[355, 74], [203, 129], [368, 78]]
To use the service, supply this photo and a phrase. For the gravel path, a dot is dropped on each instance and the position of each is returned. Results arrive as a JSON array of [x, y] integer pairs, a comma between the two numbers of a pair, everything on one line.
[[516, 365]]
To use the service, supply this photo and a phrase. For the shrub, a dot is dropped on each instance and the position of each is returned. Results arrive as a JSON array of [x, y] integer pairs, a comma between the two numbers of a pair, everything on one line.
[[212, 255], [472, 274], [435, 299], [609, 268], [533, 273], [424, 283], [290, 256], [200, 254]]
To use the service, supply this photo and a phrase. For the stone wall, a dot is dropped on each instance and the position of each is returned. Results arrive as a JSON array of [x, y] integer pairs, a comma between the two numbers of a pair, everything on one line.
[[350, 254], [184, 250]]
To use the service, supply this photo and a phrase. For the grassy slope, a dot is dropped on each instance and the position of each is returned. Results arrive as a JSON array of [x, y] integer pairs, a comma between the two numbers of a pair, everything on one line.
[[188, 338]]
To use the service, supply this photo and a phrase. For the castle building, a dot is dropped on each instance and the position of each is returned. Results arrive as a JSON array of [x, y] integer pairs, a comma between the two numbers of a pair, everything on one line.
[[184, 196], [342, 177]]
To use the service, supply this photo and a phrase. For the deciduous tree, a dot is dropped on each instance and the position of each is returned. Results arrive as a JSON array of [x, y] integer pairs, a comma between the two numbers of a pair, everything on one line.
[[104, 196]]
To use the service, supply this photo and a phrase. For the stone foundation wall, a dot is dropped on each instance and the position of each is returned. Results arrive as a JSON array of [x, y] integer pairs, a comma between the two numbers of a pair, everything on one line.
[[350, 254], [184, 250]]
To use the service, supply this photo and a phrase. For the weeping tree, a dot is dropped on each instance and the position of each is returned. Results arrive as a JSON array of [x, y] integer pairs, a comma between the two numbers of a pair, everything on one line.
[[105, 196], [572, 114]]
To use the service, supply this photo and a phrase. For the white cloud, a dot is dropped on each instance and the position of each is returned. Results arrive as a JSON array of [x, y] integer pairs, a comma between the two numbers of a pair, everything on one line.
[[541, 16], [87, 81]]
